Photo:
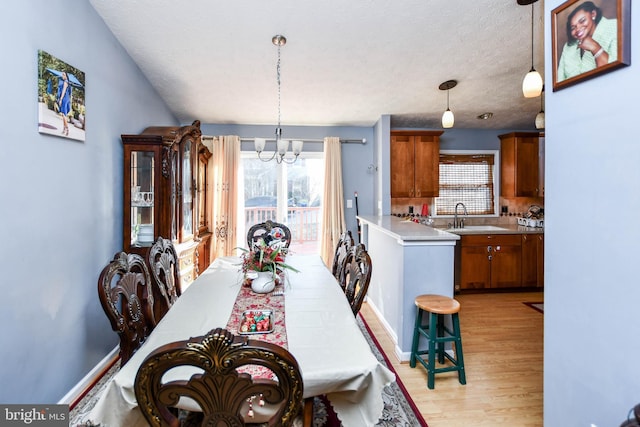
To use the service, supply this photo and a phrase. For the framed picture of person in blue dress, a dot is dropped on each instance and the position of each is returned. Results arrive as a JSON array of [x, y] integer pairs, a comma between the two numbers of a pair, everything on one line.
[[61, 98], [589, 38]]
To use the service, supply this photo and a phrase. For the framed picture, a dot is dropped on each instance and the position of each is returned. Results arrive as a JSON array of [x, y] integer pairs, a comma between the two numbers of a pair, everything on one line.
[[589, 38], [61, 106]]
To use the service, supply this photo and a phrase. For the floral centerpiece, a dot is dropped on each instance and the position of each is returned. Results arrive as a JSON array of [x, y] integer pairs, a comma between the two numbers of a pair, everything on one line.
[[267, 255]]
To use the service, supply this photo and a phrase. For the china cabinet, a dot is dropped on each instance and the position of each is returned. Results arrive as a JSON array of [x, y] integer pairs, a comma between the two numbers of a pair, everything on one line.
[[162, 172], [415, 157]]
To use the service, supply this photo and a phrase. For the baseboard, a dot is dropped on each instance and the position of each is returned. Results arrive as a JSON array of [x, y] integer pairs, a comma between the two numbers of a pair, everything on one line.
[[85, 384], [403, 356]]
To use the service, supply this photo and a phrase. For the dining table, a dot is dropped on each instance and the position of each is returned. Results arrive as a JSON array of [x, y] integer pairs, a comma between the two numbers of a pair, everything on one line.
[[334, 357]]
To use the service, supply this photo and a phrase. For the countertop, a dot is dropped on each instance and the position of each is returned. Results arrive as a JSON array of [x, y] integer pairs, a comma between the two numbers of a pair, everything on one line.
[[408, 230], [402, 229]]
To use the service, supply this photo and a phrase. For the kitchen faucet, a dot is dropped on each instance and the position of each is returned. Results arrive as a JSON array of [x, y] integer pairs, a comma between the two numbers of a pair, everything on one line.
[[459, 223]]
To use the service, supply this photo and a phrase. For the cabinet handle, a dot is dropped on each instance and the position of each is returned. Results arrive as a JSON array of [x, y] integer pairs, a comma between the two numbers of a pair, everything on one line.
[[418, 193], [411, 192], [489, 249]]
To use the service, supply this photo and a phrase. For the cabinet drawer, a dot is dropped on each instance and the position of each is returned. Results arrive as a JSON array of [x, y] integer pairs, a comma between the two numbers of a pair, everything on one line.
[[187, 276], [493, 239]]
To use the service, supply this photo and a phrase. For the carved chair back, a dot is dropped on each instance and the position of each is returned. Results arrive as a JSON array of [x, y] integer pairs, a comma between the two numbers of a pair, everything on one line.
[[127, 300], [357, 276], [163, 263], [345, 243], [222, 393], [275, 230]]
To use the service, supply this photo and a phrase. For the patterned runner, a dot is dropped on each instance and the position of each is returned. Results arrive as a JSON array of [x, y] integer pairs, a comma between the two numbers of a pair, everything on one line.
[[249, 300]]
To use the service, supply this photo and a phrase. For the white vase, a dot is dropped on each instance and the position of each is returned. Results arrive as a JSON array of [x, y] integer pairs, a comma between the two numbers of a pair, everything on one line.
[[264, 283]]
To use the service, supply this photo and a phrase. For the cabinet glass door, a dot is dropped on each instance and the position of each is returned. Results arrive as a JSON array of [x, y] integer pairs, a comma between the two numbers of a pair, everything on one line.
[[142, 198], [187, 192]]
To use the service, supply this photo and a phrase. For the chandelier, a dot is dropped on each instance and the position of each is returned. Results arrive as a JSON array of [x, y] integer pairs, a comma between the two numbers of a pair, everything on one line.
[[282, 145]]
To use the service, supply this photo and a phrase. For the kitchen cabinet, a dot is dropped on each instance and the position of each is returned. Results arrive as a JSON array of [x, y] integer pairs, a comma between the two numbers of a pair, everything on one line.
[[415, 166], [490, 261], [520, 165], [161, 169], [533, 260]]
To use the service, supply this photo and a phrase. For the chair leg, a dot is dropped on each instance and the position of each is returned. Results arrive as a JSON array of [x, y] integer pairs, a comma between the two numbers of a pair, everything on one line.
[[462, 377], [440, 334], [433, 331], [416, 338], [307, 412]]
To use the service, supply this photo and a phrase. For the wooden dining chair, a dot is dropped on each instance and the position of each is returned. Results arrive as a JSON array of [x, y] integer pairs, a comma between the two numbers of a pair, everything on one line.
[[127, 300], [224, 395], [163, 263], [269, 228], [357, 275], [345, 243]]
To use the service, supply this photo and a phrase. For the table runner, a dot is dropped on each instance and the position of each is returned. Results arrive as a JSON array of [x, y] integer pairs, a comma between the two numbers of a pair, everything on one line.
[[249, 300]]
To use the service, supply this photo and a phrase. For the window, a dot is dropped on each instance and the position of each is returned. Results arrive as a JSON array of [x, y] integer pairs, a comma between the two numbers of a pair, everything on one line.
[[286, 193], [469, 178]]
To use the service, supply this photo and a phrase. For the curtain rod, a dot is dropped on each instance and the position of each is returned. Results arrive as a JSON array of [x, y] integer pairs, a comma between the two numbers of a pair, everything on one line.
[[344, 141]]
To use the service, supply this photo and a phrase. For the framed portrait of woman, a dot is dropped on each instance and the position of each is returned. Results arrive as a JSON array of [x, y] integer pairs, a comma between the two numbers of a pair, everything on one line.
[[61, 98], [589, 38]]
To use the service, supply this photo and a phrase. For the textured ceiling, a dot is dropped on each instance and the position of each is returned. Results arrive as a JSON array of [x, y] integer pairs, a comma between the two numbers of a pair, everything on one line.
[[345, 62]]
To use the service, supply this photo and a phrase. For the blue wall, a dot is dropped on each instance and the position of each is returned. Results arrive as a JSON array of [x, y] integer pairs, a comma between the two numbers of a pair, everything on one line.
[[61, 210], [592, 201]]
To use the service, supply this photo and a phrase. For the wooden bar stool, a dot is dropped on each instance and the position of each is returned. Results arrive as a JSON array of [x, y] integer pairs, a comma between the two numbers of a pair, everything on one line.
[[437, 334]]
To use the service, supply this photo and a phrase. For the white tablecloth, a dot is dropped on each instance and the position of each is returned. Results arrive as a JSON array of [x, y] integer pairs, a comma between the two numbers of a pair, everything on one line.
[[322, 334]]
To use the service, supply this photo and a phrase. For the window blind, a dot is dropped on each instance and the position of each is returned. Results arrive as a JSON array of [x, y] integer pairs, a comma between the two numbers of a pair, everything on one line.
[[466, 178]]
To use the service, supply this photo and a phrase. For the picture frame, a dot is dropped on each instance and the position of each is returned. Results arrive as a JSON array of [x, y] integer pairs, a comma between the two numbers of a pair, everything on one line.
[[61, 98], [578, 57]]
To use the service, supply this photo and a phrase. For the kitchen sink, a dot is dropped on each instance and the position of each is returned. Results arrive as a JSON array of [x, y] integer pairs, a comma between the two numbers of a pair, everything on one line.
[[474, 228]]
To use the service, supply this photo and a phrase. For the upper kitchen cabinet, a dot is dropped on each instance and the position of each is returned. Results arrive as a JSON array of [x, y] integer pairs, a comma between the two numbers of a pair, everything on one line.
[[161, 172], [521, 160], [415, 163]]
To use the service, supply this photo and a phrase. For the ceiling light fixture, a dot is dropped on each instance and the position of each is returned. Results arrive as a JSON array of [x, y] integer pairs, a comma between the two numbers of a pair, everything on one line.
[[532, 83], [540, 115], [282, 145], [485, 116], [447, 116]]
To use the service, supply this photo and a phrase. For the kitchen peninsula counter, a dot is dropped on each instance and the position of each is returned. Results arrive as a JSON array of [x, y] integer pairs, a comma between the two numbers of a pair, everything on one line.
[[408, 259]]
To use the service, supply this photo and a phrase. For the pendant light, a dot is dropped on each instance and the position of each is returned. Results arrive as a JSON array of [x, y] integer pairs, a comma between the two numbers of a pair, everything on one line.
[[532, 83], [282, 145], [540, 115], [447, 116]]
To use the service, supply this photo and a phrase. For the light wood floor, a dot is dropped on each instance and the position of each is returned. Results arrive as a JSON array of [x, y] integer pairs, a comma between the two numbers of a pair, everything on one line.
[[502, 341]]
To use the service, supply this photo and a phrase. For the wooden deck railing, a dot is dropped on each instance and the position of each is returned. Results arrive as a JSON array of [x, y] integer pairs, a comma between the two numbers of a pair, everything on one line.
[[304, 223]]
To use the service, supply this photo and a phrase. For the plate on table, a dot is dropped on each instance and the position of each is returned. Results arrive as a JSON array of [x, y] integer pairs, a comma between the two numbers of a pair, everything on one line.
[[256, 322]]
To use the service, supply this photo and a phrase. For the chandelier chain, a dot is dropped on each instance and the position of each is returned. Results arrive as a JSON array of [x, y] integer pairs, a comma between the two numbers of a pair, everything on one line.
[[278, 80]]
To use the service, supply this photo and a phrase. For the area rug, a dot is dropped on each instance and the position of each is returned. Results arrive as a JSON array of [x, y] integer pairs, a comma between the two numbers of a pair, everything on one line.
[[399, 408], [538, 306]]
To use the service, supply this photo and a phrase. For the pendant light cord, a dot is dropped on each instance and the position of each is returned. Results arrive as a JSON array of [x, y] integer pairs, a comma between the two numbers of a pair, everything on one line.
[[532, 37]]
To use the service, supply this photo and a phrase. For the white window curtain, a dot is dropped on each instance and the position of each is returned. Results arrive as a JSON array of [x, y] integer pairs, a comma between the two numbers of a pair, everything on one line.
[[222, 175], [333, 222]]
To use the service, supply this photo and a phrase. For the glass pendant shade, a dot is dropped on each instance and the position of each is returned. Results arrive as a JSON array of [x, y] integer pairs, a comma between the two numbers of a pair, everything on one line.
[[259, 144], [296, 147], [283, 146], [540, 120], [532, 84], [447, 119]]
